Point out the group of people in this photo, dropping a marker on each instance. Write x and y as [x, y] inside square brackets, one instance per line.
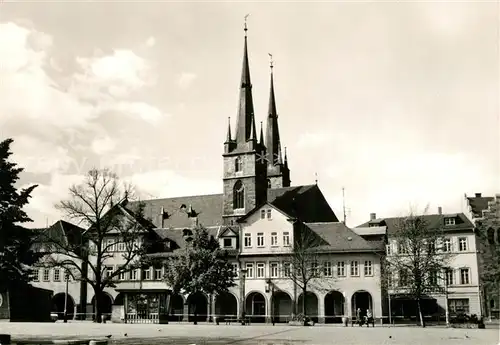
[364, 317]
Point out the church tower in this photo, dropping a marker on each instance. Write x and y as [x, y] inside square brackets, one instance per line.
[245, 166]
[278, 173]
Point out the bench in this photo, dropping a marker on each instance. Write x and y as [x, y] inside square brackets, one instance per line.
[244, 321]
[370, 321]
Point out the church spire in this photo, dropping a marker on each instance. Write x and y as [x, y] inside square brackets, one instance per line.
[245, 109]
[261, 140]
[272, 133]
[229, 137]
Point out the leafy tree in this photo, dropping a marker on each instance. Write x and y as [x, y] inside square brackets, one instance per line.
[113, 229]
[201, 266]
[303, 264]
[416, 268]
[16, 242]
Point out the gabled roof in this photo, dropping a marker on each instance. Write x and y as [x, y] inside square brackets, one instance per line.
[61, 232]
[435, 221]
[226, 231]
[304, 202]
[341, 239]
[478, 204]
[245, 217]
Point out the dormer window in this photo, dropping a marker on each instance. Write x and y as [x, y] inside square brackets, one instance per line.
[238, 164]
[449, 221]
[228, 243]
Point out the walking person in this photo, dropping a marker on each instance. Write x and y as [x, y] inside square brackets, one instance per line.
[369, 317]
[358, 317]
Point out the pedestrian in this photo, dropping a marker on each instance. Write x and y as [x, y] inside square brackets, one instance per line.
[358, 317]
[369, 317]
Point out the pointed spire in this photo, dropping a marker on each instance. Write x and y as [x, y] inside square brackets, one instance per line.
[272, 132]
[261, 141]
[229, 137]
[286, 159]
[253, 131]
[279, 157]
[245, 109]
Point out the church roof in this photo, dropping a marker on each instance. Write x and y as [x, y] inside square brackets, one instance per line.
[306, 203]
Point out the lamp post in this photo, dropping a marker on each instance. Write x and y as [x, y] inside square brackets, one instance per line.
[447, 313]
[66, 276]
[243, 272]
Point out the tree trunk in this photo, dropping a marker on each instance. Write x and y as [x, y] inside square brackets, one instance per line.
[98, 306]
[420, 314]
[304, 292]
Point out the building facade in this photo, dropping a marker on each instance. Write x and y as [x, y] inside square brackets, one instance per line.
[461, 282]
[485, 214]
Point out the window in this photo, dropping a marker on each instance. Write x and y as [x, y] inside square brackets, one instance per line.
[354, 269]
[238, 164]
[261, 269]
[109, 271]
[464, 276]
[448, 276]
[314, 269]
[368, 268]
[341, 269]
[67, 275]
[57, 274]
[286, 238]
[110, 245]
[133, 275]
[269, 214]
[249, 268]
[286, 269]
[268, 183]
[274, 238]
[433, 279]
[36, 274]
[146, 274]
[402, 248]
[403, 278]
[431, 247]
[260, 239]
[274, 270]
[235, 269]
[388, 249]
[121, 246]
[327, 269]
[262, 214]
[462, 244]
[447, 245]
[122, 275]
[228, 242]
[238, 195]
[248, 240]
[158, 274]
[449, 221]
[46, 274]
[458, 306]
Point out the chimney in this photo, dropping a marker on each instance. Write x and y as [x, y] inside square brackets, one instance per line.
[478, 195]
[440, 210]
[373, 216]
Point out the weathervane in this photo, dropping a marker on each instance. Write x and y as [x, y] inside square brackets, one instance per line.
[271, 60]
[246, 22]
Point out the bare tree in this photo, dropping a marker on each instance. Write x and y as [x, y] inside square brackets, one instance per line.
[302, 265]
[114, 232]
[416, 267]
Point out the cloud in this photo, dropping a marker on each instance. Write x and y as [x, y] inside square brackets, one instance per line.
[186, 79]
[141, 110]
[151, 42]
[103, 145]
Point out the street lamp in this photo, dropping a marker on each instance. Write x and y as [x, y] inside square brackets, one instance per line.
[243, 273]
[447, 313]
[66, 277]
[270, 288]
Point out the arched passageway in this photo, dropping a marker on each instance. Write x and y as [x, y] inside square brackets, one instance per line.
[198, 307]
[176, 312]
[226, 305]
[311, 303]
[106, 304]
[59, 302]
[334, 307]
[361, 300]
[120, 299]
[255, 307]
[282, 306]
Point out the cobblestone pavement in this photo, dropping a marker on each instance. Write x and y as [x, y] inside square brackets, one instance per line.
[209, 334]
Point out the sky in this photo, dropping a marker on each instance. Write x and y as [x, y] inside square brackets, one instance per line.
[396, 102]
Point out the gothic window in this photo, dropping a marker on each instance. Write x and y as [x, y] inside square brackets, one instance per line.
[238, 195]
[238, 164]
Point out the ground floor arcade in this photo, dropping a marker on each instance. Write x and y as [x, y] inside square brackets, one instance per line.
[260, 306]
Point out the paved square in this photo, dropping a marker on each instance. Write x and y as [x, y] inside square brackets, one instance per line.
[204, 334]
